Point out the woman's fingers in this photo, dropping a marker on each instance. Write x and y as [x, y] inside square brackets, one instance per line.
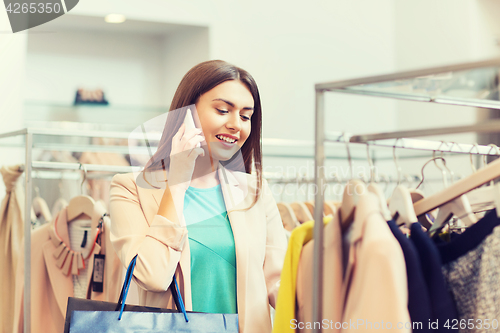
[180, 132]
[191, 138]
[189, 134]
[195, 152]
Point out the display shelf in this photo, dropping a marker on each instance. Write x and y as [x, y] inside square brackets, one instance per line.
[118, 115]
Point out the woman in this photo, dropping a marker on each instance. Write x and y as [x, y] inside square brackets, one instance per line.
[198, 212]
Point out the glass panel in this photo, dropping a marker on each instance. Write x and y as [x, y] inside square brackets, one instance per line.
[475, 87]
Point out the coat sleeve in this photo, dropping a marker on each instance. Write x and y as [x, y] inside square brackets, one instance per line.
[276, 244]
[157, 244]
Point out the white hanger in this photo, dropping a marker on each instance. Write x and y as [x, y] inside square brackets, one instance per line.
[401, 204]
[82, 204]
[353, 191]
[375, 189]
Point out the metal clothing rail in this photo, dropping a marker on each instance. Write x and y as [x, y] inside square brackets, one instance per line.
[31, 165]
[388, 86]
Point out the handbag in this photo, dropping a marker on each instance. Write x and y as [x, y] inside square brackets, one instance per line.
[85, 315]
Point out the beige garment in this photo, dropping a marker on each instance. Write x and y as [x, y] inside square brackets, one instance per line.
[332, 280]
[163, 248]
[11, 242]
[50, 287]
[375, 286]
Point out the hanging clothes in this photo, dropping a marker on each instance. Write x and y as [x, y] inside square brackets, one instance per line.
[53, 263]
[419, 303]
[285, 306]
[332, 279]
[11, 242]
[99, 188]
[471, 269]
[442, 304]
[375, 288]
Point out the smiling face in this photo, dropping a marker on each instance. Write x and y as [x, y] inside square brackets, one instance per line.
[225, 112]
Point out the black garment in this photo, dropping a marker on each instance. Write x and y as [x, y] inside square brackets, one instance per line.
[419, 303]
[472, 271]
[443, 308]
[463, 243]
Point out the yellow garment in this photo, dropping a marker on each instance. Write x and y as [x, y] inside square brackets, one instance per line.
[285, 306]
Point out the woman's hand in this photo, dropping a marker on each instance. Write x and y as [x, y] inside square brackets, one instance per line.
[183, 157]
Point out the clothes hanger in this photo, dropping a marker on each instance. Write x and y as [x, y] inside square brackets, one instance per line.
[459, 207]
[353, 191]
[428, 219]
[329, 209]
[40, 206]
[401, 204]
[463, 186]
[300, 209]
[288, 217]
[487, 197]
[82, 205]
[375, 189]
[310, 206]
[61, 202]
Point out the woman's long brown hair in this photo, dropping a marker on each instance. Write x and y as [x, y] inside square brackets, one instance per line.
[200, 79]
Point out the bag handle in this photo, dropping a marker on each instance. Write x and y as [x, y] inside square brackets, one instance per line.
[174, 289]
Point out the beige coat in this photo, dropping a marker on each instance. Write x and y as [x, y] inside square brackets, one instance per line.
[163, 248]
[372, 286]
[50, 288]
[11, 243]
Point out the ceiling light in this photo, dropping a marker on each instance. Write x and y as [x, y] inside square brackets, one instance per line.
[114, 18]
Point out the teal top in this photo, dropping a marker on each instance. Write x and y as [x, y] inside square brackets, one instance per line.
[213, 255]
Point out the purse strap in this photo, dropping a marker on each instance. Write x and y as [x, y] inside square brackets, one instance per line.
[174, 289]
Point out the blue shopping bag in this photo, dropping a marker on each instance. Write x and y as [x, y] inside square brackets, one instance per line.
[85, 315]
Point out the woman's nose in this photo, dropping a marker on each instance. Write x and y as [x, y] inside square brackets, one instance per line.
[234, 122]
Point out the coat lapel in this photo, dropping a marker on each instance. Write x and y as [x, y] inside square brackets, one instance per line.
[234, 192]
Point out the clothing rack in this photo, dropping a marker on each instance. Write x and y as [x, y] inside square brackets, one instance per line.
[428, 85]
[30, 144]
[30, 166]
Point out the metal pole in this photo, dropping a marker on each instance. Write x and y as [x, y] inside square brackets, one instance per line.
[318, 212]
[27, 235]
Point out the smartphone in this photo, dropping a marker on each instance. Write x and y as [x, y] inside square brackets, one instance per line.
[189, 121]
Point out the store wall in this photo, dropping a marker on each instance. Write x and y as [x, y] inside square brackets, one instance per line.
[432, 34]
[127, 67]
[287, 48]
[181, 51]
[12, 69]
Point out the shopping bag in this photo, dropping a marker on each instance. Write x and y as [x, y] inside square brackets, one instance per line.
[85, 315]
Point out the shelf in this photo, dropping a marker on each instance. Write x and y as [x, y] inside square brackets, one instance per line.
[117, 115]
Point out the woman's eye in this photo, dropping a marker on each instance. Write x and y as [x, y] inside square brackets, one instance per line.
[222, 111]
[245, 117]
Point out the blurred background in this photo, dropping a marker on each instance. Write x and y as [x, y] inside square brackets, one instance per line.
[288, 46]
